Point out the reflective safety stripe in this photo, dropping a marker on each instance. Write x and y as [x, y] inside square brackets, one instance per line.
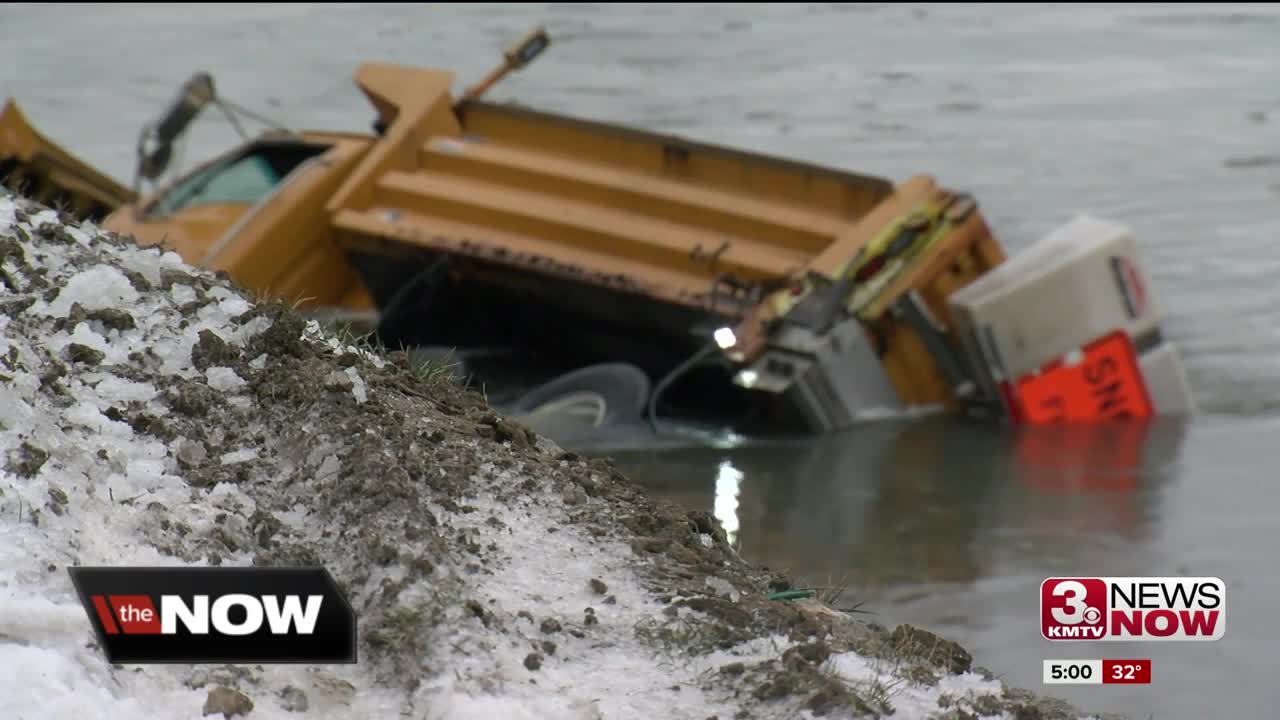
[898, 246]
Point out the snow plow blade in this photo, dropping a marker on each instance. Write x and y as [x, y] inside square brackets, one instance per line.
[1070, 331]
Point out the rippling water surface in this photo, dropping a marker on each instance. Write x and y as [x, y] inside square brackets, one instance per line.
[1164, 117]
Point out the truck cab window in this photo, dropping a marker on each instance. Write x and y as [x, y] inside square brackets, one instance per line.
[244, 178]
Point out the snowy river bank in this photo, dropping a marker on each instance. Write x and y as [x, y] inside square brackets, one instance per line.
[152, 414]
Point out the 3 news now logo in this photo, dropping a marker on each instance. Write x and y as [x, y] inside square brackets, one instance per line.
[1133, 608]
[217, 615]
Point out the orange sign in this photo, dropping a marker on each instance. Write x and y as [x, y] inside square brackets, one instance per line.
[1106, 385]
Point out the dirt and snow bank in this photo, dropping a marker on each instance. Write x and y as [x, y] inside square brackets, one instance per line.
[150, 414]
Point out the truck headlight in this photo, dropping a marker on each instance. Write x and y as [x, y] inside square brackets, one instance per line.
[725, 338]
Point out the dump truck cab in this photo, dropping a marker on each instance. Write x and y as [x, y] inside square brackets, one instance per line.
[199, 208]
[256, 212]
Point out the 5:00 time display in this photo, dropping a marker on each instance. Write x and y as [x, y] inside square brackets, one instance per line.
[1097, 672]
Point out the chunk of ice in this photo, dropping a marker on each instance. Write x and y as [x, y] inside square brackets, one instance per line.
[231, 304]
[239, 456]
[357, 385]
[87, 415]
[182, 293]
[85, 335]
[101, 286]
[223, 378]
[118, 389]
[329, 468]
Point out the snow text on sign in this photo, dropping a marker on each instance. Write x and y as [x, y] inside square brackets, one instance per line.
[1107, 384]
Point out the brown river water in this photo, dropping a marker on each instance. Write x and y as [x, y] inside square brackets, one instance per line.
[1166, 118]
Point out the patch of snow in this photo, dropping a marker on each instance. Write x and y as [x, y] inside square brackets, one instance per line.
[182, 293]
[250, 330]
[86, 414]
[330, 467]
[99, 287]
[85, 335]
[191, 453]
[239, 456]
[117, 389]
[147, 262]
[357, 385]
[231, 304]
[42, 217]
[25, 383]
[47, 683]
[224, 378]
[78, 235]
[909, 700]
[227, 496]
[14, 411]
[610, 671]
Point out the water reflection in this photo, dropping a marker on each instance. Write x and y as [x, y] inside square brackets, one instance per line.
[927, 502]
[728, 481]
[952, 526]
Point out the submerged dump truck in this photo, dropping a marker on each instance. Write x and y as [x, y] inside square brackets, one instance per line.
[617, 275]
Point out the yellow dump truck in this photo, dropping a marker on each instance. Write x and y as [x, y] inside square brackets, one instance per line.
[573, 264]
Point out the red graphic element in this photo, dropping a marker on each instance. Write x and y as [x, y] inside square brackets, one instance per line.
[1106, 385]
[1073, 609]
[1126, 672]
[137, 614]
[1071, 459]
[104, 614]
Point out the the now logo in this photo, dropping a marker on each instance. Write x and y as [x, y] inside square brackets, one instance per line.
[200, 615]
[137, 615]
